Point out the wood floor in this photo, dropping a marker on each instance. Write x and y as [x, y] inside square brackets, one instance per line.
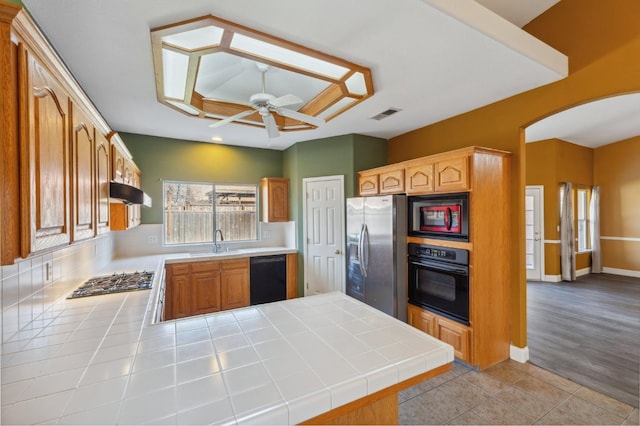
[589, 332]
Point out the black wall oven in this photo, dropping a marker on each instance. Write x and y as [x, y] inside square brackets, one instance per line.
[439, 280]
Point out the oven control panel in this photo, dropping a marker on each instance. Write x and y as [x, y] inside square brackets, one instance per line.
[447, 254]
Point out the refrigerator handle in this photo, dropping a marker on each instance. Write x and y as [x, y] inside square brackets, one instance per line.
[365, 248]
[363, 270]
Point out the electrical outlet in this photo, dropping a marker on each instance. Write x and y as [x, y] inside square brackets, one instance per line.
[266, 235]
[152, 239]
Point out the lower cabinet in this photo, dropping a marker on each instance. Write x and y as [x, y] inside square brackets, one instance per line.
[451, 332]
[196, 288]
[202, 287]
[234, 289]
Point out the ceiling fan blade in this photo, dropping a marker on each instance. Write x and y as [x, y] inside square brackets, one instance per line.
[232, 118]
[300, 116]
[285, 101]
[270, 125]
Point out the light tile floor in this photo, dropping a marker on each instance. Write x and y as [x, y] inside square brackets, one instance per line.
[509, 393]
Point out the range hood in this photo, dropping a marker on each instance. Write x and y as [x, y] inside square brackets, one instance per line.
[128, 194]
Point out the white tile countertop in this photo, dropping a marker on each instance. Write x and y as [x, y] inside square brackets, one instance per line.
[99, 360]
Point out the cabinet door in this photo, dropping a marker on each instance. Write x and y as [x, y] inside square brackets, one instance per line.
[45, 154]
[457, 335]
[275, 199]
[117, 164]
[392, 182]
[421, 319]
[419, 179]
[177, 295]
[292, 275]
[367, 184]
[102, 183]
[452, 174]
[120, 216]
[205, 287]
[234, 285]
[82, 175]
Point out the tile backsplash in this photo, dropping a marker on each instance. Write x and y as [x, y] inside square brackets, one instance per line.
[30, 287]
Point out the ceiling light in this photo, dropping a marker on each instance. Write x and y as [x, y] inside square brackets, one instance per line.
[206, 67]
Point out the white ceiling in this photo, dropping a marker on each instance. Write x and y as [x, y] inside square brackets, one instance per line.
[433, 59]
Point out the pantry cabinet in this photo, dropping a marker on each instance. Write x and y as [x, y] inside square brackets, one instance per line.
[275, 199]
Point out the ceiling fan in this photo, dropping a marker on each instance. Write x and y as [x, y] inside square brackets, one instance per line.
[265, 103]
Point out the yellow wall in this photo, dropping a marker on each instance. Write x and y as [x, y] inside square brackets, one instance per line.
[617, 171]
[549, 163]
[612, 67]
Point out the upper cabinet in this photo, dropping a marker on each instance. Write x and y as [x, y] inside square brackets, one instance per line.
[448, 172]
[83, 176]
[275, 199]
[45, 158]
[103, 176]
[57, 160]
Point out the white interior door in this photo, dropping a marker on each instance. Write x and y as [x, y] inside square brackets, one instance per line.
[533, 209]
[324, 260]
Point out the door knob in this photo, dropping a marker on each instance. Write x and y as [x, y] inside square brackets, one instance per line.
[338, 251]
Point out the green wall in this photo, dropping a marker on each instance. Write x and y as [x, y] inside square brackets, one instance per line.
[18, 2]
[172, 159]
[340, 155]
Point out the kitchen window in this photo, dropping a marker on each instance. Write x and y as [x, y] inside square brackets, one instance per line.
[191, 209]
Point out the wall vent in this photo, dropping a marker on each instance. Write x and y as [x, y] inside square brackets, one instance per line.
[385, 114]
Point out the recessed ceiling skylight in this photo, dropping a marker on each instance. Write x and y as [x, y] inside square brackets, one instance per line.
[206, 67]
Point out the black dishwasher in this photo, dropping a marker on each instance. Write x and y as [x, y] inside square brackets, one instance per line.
[268, 279]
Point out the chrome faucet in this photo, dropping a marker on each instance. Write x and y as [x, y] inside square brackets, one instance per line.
[217, 246]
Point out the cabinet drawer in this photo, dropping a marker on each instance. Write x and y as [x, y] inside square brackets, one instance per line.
[235, 264]
[208, 266]
[178, 269]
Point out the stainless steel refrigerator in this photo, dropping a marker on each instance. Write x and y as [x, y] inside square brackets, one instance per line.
[377, 252]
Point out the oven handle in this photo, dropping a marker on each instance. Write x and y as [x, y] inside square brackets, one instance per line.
[439, 266]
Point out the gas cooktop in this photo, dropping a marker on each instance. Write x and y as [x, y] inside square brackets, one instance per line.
[116, 283]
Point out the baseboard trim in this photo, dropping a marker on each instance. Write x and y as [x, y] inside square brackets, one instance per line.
[625, 272]
[584, 271]
[519, 354]
[552, 278]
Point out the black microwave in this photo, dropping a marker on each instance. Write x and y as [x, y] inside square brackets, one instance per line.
[442, 216]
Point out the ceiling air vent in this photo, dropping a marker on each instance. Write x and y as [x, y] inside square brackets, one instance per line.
[385, 114]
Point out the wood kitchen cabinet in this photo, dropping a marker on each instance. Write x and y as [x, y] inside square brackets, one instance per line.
[117, 167]
[205, 287]
[451, 332]
[45, 159]
[194, 288]
[419, 178]
[484, 174]
[452, 174]
[382, 180]
[103, 175]
[275, 199]
[83, 175]
[55, 185]
[234, 287]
